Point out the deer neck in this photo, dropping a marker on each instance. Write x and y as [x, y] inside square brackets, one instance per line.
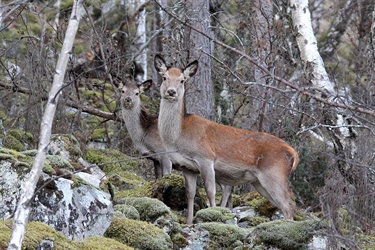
[170, 121]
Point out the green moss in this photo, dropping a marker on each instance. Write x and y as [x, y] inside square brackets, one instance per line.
[145, 190]
[128, 211]
[138, 234]
[119, 183]
[18, 159]
[99, 133]
[70, 143]
[101, 243]
[57, 161]
[213, 214]
[260, 204]
[149, 209]
[285, 234]
[254, 221]
[11, 142]
[36, 232]
[224, 236]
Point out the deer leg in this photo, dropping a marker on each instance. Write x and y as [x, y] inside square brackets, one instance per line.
[277, 192]
[157, 169]
[191, 186]
[226, 198]
[208, 175]
[166, 165]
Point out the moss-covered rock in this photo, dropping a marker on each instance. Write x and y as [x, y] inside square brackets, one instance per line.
[224, 236]
[127, 211]
[253, 221]
[138, 234]
[260, 204]
[12, 142]
[171, 190]
[101, 243]
[65, 145]
[284, 234]
[38, 233]
[213, 214]
[149, 209]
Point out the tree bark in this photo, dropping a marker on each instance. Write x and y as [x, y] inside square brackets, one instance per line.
[343, 134]
[199, 90]
[28, 187]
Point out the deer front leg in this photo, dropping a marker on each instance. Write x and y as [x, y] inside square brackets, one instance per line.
[191, 186]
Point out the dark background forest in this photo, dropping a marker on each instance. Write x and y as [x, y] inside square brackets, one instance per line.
[333, 131]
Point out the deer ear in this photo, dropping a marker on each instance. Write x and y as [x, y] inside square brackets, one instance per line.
[144, 86]
[191, 69]
[160, 64]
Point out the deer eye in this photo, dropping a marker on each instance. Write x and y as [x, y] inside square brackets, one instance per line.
[123, 91]
[164, 78]
[137, 93]
[182, 81]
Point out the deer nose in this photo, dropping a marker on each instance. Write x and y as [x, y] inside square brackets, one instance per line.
[128, 99]
[171, 92]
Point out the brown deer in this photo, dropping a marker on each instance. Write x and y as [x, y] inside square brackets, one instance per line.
[143, 127]
[227, 155]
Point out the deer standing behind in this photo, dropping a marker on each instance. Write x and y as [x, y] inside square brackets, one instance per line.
[143, 127]
[229, 155]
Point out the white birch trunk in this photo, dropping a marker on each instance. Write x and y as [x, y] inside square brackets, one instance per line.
[28, 187]
[343, 135]
[308, 46]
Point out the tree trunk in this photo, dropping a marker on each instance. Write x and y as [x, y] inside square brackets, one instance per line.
[28, 187]
[199, 90]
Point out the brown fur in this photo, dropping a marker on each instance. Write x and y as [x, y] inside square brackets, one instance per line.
[225, 154]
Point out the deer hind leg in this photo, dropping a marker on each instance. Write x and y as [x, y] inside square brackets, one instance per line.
[191, 186]
[277, 192]
[157, 169]
[226, 198]
[206, 169]
[166, 165]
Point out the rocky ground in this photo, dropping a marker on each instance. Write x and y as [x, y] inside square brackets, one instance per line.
[103, 200]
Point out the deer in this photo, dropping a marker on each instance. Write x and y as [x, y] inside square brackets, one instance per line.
[219, 153]
[142, 126]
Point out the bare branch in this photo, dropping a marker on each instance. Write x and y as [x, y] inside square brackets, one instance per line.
[277, 78]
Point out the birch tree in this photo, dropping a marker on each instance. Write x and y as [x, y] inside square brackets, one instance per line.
[28, 187]
[339, 121]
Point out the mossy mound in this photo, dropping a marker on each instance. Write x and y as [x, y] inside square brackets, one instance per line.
[18, 140]
[224, 236]
[253, 221]
[18, 159]
[284, 234]
[144, 190]
[260, 204]
[213, 214]
[149, 209]
[171, 190]
[111, 159]
[127, 211]
[138, 234]
[37, 233]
